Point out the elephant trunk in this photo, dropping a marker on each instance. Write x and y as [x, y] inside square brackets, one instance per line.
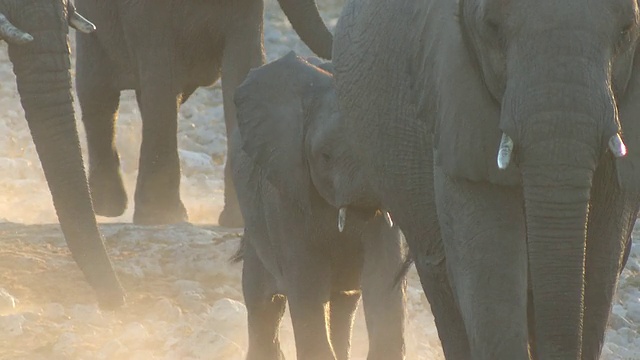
[44, 84]
[556, 216]
[306, 20]
[560, 118]
[558, 152]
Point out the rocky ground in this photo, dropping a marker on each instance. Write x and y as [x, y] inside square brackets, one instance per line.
[185, 298]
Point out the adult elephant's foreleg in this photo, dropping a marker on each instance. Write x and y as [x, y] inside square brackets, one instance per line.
[99, 104]
[243, 51]
[484, 238]
[611, 218]
[157, 193]
[411, 199]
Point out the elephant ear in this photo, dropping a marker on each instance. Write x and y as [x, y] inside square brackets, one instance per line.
[628, 167]
[466, 126]
[271, 116]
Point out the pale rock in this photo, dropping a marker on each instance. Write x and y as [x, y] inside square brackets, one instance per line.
[7, 302]
[11, 325]
[635, 251]
[133, 333]
[134, 270]
[618, 310]
[191, 301]
[617, 322]
[66, 344]
[53, 311]
[214, 346]
[193, 163]
[112, 349]
[633, 312]
[628, 335]
[90, 314]
[187, 285]
[167, 310]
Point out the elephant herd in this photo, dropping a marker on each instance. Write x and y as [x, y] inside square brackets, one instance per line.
[498, 139]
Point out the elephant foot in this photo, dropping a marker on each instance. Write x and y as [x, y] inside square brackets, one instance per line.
[108, 193]
[148, 214]
[231, 217]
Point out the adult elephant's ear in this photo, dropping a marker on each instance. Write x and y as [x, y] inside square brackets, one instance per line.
[628, 167]
[271, 120]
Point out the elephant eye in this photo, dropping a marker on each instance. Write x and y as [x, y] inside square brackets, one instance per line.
[326, 157]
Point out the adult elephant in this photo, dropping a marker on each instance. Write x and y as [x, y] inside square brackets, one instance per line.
[36, 31]
[165, 49]
[554, 86]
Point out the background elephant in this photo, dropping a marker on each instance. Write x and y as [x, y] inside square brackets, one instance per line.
[293, 170]
[36, 31]
[554, 86]
[165, 49]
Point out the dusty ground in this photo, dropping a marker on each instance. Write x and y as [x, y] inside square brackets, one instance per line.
[184, 296]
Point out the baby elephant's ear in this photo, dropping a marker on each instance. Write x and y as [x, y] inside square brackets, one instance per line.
[271, 120]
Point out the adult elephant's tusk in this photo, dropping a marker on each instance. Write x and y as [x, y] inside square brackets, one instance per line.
[12, 34]
[81, 24]
[504, 151]
[617, 146]
[342, 218]
[388, 219]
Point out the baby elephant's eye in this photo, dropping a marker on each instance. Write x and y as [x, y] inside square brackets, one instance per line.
[326, 157]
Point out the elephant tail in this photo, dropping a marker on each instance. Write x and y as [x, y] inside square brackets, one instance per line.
[238, 256]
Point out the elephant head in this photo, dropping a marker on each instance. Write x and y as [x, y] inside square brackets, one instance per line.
[36, 31]
[290, 125]
[555, 82]
[306, 20]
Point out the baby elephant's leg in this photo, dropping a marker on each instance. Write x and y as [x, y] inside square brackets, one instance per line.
[308, 289]
[383, 297]
[347, 260]
[264, 308]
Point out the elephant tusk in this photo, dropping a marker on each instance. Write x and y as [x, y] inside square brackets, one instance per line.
[388, 219]
[81, 24]
[504, 151]
[342, 218]
[12, 34]
[617, 146]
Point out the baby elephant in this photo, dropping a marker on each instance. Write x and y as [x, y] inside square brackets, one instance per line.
[313, 233]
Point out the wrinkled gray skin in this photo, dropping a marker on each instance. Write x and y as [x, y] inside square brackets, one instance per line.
[36, 32]
[533, 252]
[165, 49]
[293, 169]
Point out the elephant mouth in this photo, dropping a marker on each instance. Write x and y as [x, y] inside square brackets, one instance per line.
[361, 214]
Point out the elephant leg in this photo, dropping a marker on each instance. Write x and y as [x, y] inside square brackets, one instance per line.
[157, 193]
[264, 307]
[308, 293]
[343, 307]
[99, 104]
[484, 238]
[412, 203]
[346, 267]
[382, 298]
[243, 51]
[611, 218]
